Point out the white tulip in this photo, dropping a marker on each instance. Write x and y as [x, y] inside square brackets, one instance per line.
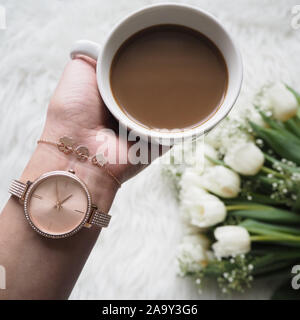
[188, 229]
[189, 179]
[193, 254]
[196, 239]
[193, 154]
[283, 103]
[246, 158]
[231, 241]
[211, 153]
[203, 210]
[221, 181]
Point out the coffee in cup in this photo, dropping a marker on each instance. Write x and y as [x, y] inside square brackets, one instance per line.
[169, 77]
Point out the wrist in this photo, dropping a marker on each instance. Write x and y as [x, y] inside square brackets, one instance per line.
[100, 185]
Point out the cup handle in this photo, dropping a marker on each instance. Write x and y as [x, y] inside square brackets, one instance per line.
[85, 47]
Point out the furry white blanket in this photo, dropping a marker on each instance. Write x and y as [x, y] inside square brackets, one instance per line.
[135, 257]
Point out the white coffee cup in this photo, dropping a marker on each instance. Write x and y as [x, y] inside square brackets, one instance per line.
[168, 13]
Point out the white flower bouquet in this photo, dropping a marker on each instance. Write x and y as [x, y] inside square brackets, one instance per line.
[242, 209]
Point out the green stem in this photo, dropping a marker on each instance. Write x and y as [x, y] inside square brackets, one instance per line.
[274, 173]
[276, 238]
[264, 238]
[244, 207]
[217, 162]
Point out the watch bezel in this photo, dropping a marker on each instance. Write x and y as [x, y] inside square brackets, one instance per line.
[43, 177]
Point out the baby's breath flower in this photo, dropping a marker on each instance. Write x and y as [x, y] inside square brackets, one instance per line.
[259, 142]
[237, 275]
[269, 113]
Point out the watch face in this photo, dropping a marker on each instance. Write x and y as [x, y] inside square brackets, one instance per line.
[57, 204]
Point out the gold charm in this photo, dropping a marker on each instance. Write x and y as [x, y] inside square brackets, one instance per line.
[66, 145]
[82, 153]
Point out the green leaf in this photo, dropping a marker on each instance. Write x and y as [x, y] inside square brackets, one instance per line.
[294, 92]
[281, 143]
[265, 213]
[271, 122]
[284, 166]
[293, 125]
[271, 263]
[296, 204]
[297, 96]
[277, 125]
[261, 228]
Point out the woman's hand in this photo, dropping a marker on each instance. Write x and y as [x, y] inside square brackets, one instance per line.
[77, 110]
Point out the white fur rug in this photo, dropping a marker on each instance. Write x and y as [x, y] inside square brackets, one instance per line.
[135, 257]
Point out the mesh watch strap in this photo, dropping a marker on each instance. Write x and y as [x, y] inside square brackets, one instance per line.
[18, 189]
[100, 219]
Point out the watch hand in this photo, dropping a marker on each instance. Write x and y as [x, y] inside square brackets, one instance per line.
[67, 198]
[37, 196]
[56, 191]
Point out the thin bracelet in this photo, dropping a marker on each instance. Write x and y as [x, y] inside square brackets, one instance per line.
[67, 146]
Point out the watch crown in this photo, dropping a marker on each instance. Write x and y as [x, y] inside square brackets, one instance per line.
[71, 171]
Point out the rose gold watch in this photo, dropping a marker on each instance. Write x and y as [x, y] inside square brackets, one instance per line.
[58, 204]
